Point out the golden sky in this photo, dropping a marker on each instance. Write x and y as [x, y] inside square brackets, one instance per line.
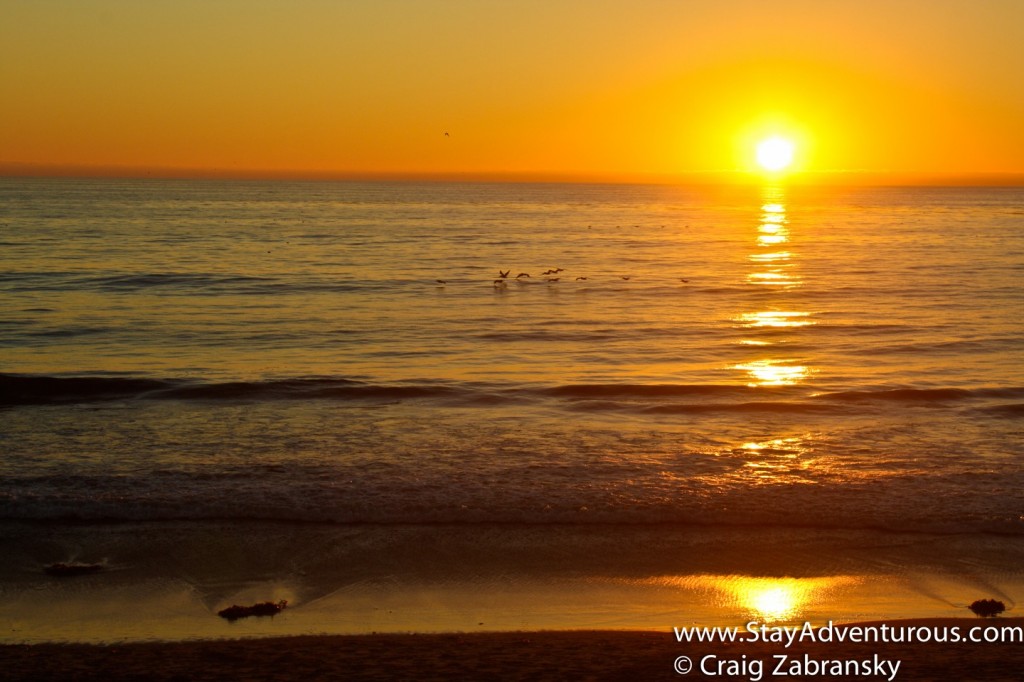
[546, 87]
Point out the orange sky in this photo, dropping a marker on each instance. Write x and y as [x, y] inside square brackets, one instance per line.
[583, 88]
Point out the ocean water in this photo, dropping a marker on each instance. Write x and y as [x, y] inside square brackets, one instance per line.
[350, 355]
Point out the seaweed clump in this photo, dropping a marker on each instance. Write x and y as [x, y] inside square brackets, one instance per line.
[63, 570]
[987, 608]
[267, 608]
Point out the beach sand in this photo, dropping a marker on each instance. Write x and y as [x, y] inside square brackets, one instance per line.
[550, 655]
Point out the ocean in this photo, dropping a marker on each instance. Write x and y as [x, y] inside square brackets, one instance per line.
[323, 386]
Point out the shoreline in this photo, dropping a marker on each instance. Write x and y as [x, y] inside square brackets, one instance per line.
[535, 655]
[168, 582]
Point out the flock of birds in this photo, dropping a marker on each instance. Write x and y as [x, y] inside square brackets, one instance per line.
[550, 276]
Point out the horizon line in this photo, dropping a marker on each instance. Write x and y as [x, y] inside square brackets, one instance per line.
[831, 177]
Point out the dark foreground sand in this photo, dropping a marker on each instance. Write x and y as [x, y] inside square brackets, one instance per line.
[584, 655]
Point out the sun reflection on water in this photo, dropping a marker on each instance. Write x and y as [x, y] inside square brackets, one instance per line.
[773, 226]
[763, 599]
[773, 603]
[771, 257]
[771, 600]
[770, 373]
[777, 460]
[772, 239]
[773, 269]
[775, 318]
[773, 231]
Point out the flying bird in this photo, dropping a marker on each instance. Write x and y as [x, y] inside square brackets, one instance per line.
[503, 275]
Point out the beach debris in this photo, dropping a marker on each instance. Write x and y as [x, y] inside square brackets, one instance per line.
[987, 608]
[267, 608]
[66, 570]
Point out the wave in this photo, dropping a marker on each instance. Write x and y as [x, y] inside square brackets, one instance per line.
[592, 391]
[787, 407]
[291, 495]
[24, 389]
[1012, 411]
[926, 395]
[170, 279]
[902, 394]
[175, 283]
[41, 390]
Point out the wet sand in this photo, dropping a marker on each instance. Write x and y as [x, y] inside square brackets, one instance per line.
[552, 655]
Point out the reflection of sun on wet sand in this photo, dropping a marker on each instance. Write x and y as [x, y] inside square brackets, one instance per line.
[588, 655]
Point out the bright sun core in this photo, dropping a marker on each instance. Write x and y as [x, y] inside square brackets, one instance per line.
[775, 153]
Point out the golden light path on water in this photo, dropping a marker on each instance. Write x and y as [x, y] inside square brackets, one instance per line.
[776, 459]
[775, 599]
[775, 318]
[772, 232]
[768, 373]
[776, 269]
[764, 599]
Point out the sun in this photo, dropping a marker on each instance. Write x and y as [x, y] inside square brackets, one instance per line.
[775, 153]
